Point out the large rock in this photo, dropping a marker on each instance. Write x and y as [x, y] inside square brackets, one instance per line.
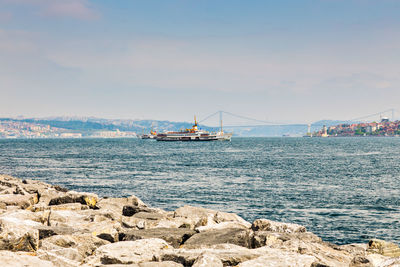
[59, 257]
[276, 239]
[206, 260]
[325, 253]
[221, 226]
[19, 235]
[68, 249]
[87, 221]
[229, 254]
[159, 264]
[130, 210]
[75, 197]
[13, 259]
[118, 203]
[40, 217]
[22, 201]
[279, 258]
[144, 220]
[197, 216]
[45, 192]
[267, 225]
[174, 236]
[383, 247]
[237, 236]
[86, 244]
[128, 252]
[378, 260]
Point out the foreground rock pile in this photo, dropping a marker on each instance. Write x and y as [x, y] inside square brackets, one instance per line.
[45, 225]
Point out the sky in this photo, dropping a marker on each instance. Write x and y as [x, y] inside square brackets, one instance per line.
[284, 61]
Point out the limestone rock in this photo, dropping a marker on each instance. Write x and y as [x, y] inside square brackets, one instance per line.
[237, 236]
[13, 259]
[69, 206]
[106, 230]
[220, 226]
[21, 201]
[178, 222]
[87, 221]
[130, 210]
[360, 261]
[379, 260]
[75, 197]
[128, 252]
[136, 223]
[117, 204]
[276, 239]
[19, 235]
[206, 260]
[85, 244]
[160, 264]
[174, 236]
[267, 225]
[59, 258]
[323, 252]
[278, 258]
[144, 220]
[154, 216]
[229, 254]
[383, 247]
[197, 216]
[68, 218]
[221, 217]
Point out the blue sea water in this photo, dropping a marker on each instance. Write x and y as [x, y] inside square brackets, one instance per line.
[343, 189]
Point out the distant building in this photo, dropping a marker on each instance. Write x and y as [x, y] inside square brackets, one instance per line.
[71, 135]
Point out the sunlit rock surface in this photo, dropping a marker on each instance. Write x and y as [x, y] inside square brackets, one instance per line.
[47, 225]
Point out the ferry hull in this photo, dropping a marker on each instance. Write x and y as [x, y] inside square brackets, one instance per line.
[194, 138]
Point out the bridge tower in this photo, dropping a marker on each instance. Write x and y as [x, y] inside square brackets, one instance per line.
[220, 119]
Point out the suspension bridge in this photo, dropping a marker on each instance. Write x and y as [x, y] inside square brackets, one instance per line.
[253, 122]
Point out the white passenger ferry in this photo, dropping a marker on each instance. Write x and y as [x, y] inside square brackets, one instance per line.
[194, 134]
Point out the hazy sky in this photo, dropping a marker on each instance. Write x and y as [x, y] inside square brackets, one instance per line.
[283, 60]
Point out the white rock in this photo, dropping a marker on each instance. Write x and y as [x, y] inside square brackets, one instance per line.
[267, 225]
[279, 258]
[129, 252]
[19, 235]
[13, 259]
[206, 260]
[222, 225]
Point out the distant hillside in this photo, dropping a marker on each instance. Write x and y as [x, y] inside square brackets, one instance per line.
[87, 126]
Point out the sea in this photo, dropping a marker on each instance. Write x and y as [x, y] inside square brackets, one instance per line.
[345, 190]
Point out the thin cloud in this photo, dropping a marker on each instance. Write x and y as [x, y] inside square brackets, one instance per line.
[5, 16]
[78, 9]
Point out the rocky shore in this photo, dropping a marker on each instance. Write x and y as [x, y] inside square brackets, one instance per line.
[47, 225]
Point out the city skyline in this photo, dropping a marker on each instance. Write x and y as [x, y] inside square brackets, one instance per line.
[169, 60]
